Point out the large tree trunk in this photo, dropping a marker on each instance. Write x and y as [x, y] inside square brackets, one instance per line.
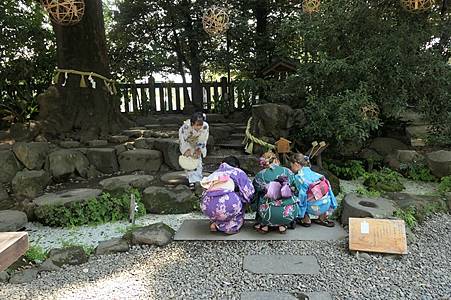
[90, 112]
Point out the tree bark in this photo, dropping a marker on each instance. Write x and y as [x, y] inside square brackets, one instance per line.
[91, 113]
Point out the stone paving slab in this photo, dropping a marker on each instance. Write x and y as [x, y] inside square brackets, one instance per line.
[284, 296]
[198, 230]
[281, 264]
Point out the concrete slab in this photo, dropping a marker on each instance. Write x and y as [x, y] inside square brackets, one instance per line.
[267, 296]
[281, 264]
[198, 230]
[284, 296]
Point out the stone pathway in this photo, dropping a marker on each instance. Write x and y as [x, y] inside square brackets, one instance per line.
[198, 230]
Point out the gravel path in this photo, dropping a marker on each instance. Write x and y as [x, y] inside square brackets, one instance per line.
[212, 270]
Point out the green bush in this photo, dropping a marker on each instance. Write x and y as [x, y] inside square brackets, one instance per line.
[349, 170]
[418, 171]
[368, 193]
[99, 210]
[35, 253]
[408, 215]
[385, 180]
[445, 184]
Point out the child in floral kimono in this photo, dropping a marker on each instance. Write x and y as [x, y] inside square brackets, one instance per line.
[316, 198]
[193, 136]
[228, 189]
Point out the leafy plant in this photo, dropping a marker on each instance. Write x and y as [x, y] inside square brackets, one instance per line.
[368, 193]
[106, 208]
[349, 170]
[385, 180]
[20, 107]
[35, 253]
[417, 171]
[408, 215]
[445, 184]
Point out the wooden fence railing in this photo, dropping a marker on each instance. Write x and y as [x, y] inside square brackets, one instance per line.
[167, 97]
[154, 97]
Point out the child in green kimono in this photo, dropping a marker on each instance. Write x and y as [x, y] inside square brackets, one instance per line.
[279, 213]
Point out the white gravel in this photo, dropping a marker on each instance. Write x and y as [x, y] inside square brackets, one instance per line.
[213, 270]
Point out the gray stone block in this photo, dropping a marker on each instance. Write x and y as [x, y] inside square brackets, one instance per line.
[281, 264]
[356, 206]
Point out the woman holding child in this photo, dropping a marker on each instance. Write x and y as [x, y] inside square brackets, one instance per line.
[316, 198]
[275, 201]
[228, 189]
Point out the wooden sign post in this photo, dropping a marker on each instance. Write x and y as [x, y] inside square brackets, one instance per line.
[377, 235]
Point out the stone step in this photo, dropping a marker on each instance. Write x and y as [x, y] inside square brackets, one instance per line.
[198, 230]
[232, 144]
[238, 136]
[281, 264]
[285, 296]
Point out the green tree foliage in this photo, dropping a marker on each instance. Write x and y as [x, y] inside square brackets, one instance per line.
[27, 57]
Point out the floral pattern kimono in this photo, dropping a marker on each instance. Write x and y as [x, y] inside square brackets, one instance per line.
[225, 206]
[191, 139]
[314, 207]
[274, 212]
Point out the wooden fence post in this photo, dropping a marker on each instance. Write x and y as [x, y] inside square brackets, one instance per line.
[225, 94]
[153, 105]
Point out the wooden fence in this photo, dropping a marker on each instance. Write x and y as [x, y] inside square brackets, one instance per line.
[166, 97]
[160, 98]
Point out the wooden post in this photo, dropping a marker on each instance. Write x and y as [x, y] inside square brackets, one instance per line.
[134, 90]
[170, 106]
[132, 209]
[12, 246]
[144, 102]
[153, 105]
[225, 94]
[126, 99]
[178, 103]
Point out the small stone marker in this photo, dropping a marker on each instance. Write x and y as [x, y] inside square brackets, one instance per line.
[281, 264]
[377, 235]
[132, 210]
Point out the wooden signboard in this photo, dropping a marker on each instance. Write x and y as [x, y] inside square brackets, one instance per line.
[12, 246]
[377, 235]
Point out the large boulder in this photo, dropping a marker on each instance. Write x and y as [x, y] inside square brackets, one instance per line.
[356, 206]
[66, 197]
[158, 234]
[408, 156]
[163, 200]
[30, 184]
[439, 163]
[112, 246]
[423, 205]
[67, 162]
[74, 255]
[171, 152]
[31, 155]
[12, 220]
[103, 159]
[9, 166]
[385, 146]
[126, 182]
[140, 160]
[24, 276]
[5, 201]
[275, 120]
[118, 139]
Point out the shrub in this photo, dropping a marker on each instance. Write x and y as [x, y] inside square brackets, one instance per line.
[445, 184]
[408, 215]
[35, 253]
[349, 170]
[104, 209]
[368, 193]
[384, 180]
[418, 171]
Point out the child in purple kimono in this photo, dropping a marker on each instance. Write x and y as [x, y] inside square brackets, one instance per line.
[228, 189]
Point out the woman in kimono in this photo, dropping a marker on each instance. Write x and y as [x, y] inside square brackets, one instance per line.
[273, 213]
[316, 198]
[228, 190]
[193, 136]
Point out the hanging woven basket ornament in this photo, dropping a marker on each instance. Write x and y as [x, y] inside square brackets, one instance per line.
[311, 6]
[65, 12]
[215, 21]
[417, 5]
[370, 112]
